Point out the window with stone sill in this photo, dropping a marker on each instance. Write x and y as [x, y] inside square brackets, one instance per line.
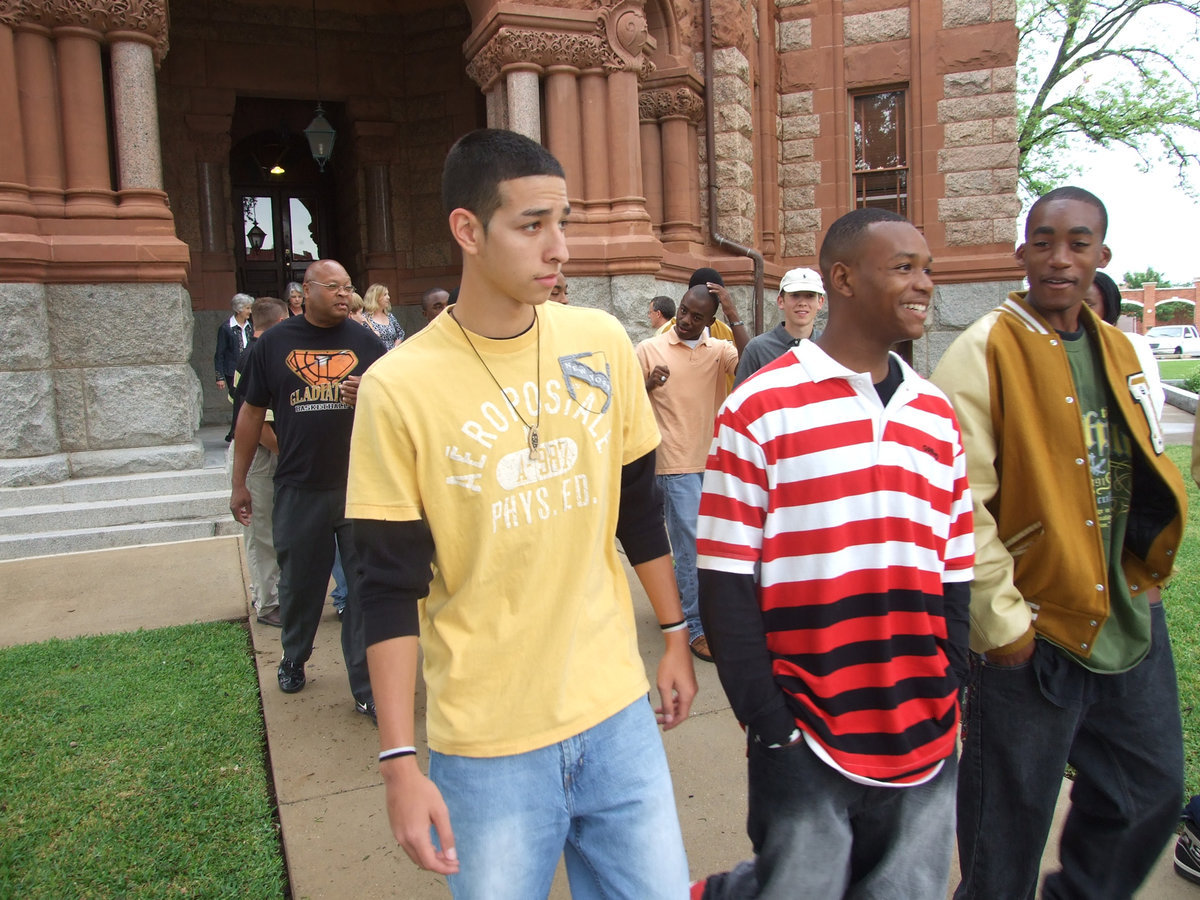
[881, 151]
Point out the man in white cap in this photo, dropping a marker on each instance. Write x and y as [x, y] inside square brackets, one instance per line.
[801, 296]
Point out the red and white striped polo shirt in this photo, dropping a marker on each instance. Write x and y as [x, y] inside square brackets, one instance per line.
[851, 515]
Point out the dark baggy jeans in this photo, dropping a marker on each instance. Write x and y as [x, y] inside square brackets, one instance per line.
[1123, 736]
[306, 521]
[818, 834]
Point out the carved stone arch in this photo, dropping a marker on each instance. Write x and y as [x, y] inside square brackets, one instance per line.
[660, 19]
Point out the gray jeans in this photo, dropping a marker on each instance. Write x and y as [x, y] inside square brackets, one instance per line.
[817, 834]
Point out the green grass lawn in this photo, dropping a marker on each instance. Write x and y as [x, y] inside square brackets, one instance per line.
[1182, 600]
[1177, 368]
[133, 766]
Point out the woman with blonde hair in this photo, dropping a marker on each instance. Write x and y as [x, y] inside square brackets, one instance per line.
[377, 306]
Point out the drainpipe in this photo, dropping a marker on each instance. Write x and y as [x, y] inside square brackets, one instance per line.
[710, 146]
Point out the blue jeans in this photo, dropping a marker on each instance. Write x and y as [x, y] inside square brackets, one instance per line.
[340, 588]
[603, 798]
[681, 504]
[1122, 734]
[817, 834]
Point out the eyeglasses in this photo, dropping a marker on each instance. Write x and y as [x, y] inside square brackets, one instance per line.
[336, 288]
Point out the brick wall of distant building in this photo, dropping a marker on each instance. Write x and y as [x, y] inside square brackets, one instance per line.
[1150, 295]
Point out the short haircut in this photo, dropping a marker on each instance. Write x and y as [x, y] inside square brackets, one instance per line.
[241, 301]
[428, 295]
[1110, 298]
[664, 305]
[373, 299]
[700, 290]
[704, 276]
[1071, 193]
[480, 160]
[267, 311]
[846, 234]
[294, 286]
[356, 302]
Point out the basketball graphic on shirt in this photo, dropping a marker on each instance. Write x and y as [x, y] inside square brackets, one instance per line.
[319, 367]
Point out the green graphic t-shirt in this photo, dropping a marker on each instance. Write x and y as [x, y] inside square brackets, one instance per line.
[1125, 638]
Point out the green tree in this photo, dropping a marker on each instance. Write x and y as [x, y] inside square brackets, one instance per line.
[1137, 279]
[1087, 75]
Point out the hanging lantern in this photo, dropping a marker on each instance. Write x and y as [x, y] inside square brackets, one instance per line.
[320, 136]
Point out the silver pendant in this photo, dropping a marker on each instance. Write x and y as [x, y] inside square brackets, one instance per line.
[533, 441]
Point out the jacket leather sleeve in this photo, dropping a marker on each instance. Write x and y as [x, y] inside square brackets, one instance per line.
[1000, 618]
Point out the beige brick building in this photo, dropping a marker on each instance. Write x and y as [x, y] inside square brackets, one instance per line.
[143, 150]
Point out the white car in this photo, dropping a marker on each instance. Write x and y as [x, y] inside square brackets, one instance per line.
[1180, 340]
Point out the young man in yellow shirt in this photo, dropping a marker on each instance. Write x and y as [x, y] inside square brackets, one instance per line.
[512, 478]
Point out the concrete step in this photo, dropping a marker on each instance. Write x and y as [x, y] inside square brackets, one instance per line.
[109, 513]
[75, 540]
[115, 487]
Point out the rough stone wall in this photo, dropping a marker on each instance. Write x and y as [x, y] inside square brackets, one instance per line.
[799, 169]
[955, 306]
[95, 381]
[734, 142]
[979, 159]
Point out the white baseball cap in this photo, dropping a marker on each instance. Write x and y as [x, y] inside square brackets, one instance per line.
[801, 280]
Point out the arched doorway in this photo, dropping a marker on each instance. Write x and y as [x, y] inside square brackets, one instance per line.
[283, 204]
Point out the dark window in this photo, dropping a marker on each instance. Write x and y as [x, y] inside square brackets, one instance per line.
[881, 152]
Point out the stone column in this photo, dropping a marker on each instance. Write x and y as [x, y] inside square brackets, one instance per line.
[41, 127]
[593, 106]
[674, 106]
[213, 224]
[497, 106]
[85, 130]
[524, 101]
[379, 219]
[12, 150]
[624, 156]
[562, 125]
[652, 167]
[678, 167]
[135, 110]
[209, 137]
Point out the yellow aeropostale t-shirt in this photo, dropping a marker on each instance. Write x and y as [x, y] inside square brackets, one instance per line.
[528, 630]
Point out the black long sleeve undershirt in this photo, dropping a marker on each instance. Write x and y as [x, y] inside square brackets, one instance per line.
[641, 528]
[395, 558]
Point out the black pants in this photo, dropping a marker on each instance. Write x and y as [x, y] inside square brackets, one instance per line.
[306, 523]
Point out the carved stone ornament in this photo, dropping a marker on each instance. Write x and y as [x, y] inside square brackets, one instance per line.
[146, 17]
[616, 44]
[539, 48]
[656, 105]
[626, 34]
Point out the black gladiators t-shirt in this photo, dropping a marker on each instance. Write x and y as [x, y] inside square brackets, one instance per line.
[297, 370]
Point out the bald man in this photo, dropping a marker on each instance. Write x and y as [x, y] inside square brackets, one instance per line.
[306, 370]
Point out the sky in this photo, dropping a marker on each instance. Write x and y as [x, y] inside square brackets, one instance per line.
[1151, 221]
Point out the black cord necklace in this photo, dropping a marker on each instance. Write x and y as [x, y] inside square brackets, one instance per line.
[532, 430]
